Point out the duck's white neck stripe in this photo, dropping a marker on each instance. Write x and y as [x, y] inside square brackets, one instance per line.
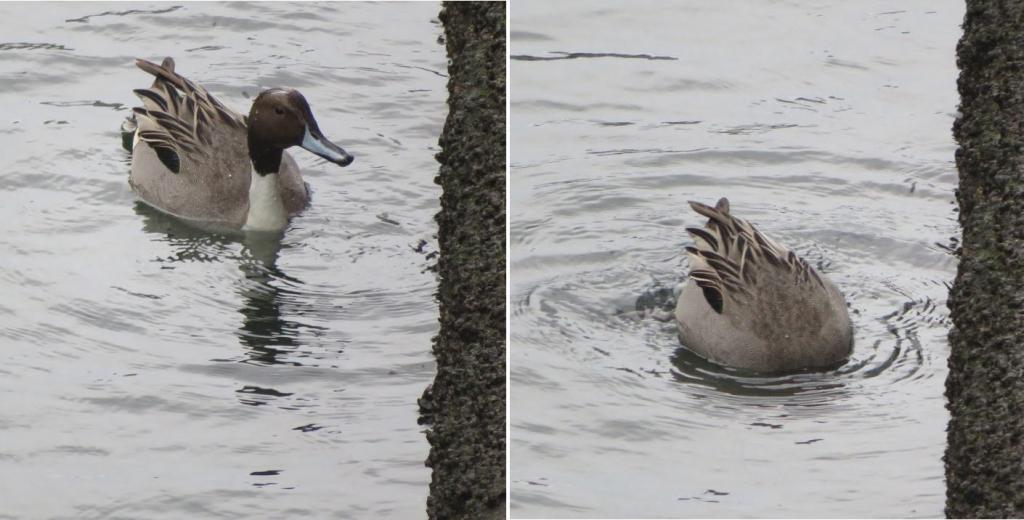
[266, 210]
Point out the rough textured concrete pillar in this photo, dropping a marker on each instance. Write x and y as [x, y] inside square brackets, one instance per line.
[466, 403]
[985, 388]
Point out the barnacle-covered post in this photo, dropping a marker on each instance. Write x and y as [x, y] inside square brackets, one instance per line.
[465, 405]
[985, 387]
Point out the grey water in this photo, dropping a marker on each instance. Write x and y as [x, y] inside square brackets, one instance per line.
[825, 124]
[152, 370]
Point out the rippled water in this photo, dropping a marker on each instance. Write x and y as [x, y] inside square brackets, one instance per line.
[828, 126]
[151, 370]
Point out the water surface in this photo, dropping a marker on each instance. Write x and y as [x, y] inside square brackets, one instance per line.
[151, 370]
[828, 126]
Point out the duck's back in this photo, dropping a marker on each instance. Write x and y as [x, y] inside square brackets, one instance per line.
[782, 324]
[212, 188]
[752, 304]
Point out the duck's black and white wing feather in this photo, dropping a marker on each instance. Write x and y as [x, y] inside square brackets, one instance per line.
[177, 116]
[729, 253]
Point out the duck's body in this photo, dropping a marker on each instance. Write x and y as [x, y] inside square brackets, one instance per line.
[196, 159]
[754, 305]
[214, 189]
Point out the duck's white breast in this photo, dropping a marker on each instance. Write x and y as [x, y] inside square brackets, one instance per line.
[266, 209]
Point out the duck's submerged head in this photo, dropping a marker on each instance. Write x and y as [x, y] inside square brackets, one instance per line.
[281, 118]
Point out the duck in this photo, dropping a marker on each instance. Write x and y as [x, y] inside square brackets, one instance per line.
[198, 160]
[754, 305]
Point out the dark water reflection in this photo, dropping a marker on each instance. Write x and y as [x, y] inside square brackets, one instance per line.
[264, 287]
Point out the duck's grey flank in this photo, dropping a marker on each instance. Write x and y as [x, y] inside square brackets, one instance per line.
[752, 304]
[196, 159]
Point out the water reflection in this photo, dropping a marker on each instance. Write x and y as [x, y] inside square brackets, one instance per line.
[263, 330]
[270, 337]
[691, 368]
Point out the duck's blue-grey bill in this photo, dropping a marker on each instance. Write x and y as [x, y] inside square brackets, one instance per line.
[315, 142]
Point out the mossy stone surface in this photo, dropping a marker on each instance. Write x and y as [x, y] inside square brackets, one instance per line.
[465, 405]
[985, 387]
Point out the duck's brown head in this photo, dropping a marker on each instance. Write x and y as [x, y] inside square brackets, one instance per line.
[281, 118]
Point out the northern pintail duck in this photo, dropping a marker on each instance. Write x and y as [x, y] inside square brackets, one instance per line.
[752, 304]
[196, 159]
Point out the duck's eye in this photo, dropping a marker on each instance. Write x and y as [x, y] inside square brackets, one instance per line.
[279, 111]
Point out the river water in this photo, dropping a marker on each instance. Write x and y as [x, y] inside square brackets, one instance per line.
[828, 126]
[151, 370]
